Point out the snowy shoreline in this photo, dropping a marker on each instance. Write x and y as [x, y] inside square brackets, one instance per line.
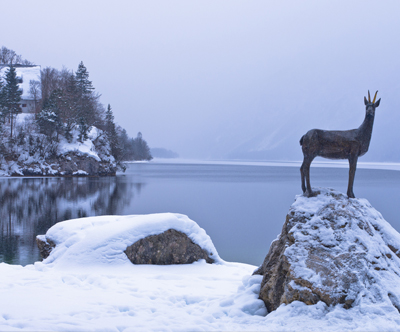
[87, 285]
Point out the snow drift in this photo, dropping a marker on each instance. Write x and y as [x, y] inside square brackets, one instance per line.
[88, 283]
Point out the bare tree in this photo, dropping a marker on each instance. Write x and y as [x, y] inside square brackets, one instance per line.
[8, 57]
[35, 92]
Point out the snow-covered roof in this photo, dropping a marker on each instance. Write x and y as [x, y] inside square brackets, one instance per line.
[27, 74]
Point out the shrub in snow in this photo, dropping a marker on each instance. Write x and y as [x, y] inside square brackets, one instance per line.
[335, 250]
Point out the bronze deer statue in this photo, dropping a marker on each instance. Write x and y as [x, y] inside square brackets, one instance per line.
[335, 144]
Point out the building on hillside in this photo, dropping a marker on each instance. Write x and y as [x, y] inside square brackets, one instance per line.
[29, 81]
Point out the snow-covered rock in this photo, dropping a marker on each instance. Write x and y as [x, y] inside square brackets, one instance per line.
[33, 155]
[336, 250]
[107, 240]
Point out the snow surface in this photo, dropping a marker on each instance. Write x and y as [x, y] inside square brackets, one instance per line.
[86, 147]
[86, 284]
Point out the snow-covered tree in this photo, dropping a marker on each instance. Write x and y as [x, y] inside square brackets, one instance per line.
[2, 102]
[48, 119]
[86, 100]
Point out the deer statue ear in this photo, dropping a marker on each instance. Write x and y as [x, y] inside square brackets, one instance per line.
[377, 103]
[365, 101]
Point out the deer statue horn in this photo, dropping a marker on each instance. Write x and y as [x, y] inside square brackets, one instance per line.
[369, 97]
[375, 97]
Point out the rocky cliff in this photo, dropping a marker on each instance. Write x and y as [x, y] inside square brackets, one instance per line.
[332, 249]
[91, 157]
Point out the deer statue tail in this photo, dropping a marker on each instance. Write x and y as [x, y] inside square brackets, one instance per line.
[301, 140]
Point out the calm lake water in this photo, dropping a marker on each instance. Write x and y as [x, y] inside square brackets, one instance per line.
[241, 207]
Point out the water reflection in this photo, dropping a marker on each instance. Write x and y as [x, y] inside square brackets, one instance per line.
[242, 208]
[30, 206]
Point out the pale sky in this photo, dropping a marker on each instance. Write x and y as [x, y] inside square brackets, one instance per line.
[225, 79]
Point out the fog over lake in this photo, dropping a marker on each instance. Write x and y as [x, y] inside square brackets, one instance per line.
[241, 207]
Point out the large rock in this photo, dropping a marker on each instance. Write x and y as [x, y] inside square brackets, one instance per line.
[169, 247]
[161, 238]
[332, 249]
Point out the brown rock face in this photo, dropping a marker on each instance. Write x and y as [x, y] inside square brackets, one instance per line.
[170, 247]
[331, 249]
[45, 246]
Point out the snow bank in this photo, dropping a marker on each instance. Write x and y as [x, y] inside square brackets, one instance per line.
[87, 284]
[102, 240]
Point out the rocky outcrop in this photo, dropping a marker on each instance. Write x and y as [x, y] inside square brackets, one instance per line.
[81, 164]
[169, 247]
[332, 249]
[69, 164]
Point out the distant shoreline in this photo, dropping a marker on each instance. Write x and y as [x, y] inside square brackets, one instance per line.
[317, 163]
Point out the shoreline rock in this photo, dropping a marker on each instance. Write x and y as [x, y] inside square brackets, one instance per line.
[70, 164]
[335, 250]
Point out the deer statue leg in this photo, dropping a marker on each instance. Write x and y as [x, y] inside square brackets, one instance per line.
[352, 173]
[303, 179]
[305, 176]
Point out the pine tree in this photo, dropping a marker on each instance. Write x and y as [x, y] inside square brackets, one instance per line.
[84, 86]
[48, 119]
[2, 102]
[69, 114]
[111, 132]
[12, 96]
[141, 150]
[85, 100]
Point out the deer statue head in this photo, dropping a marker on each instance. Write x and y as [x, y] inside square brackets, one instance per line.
[370, 106]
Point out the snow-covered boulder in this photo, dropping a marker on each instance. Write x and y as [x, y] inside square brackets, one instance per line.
[335, 250]
[163, 238]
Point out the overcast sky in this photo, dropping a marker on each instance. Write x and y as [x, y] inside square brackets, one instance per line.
[224, 79]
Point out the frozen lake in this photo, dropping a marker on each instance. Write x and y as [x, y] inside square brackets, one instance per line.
[242, 207]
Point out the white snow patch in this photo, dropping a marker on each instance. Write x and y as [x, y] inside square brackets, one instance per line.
[87, 284]
[80, 172]
[86, 147]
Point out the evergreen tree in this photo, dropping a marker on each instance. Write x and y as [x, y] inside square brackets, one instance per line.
[12, 96]
[85, 99]
[141, 150]
[48, 119]
[2, 102]
[84, 86]
[69, 114]
[112, 135]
